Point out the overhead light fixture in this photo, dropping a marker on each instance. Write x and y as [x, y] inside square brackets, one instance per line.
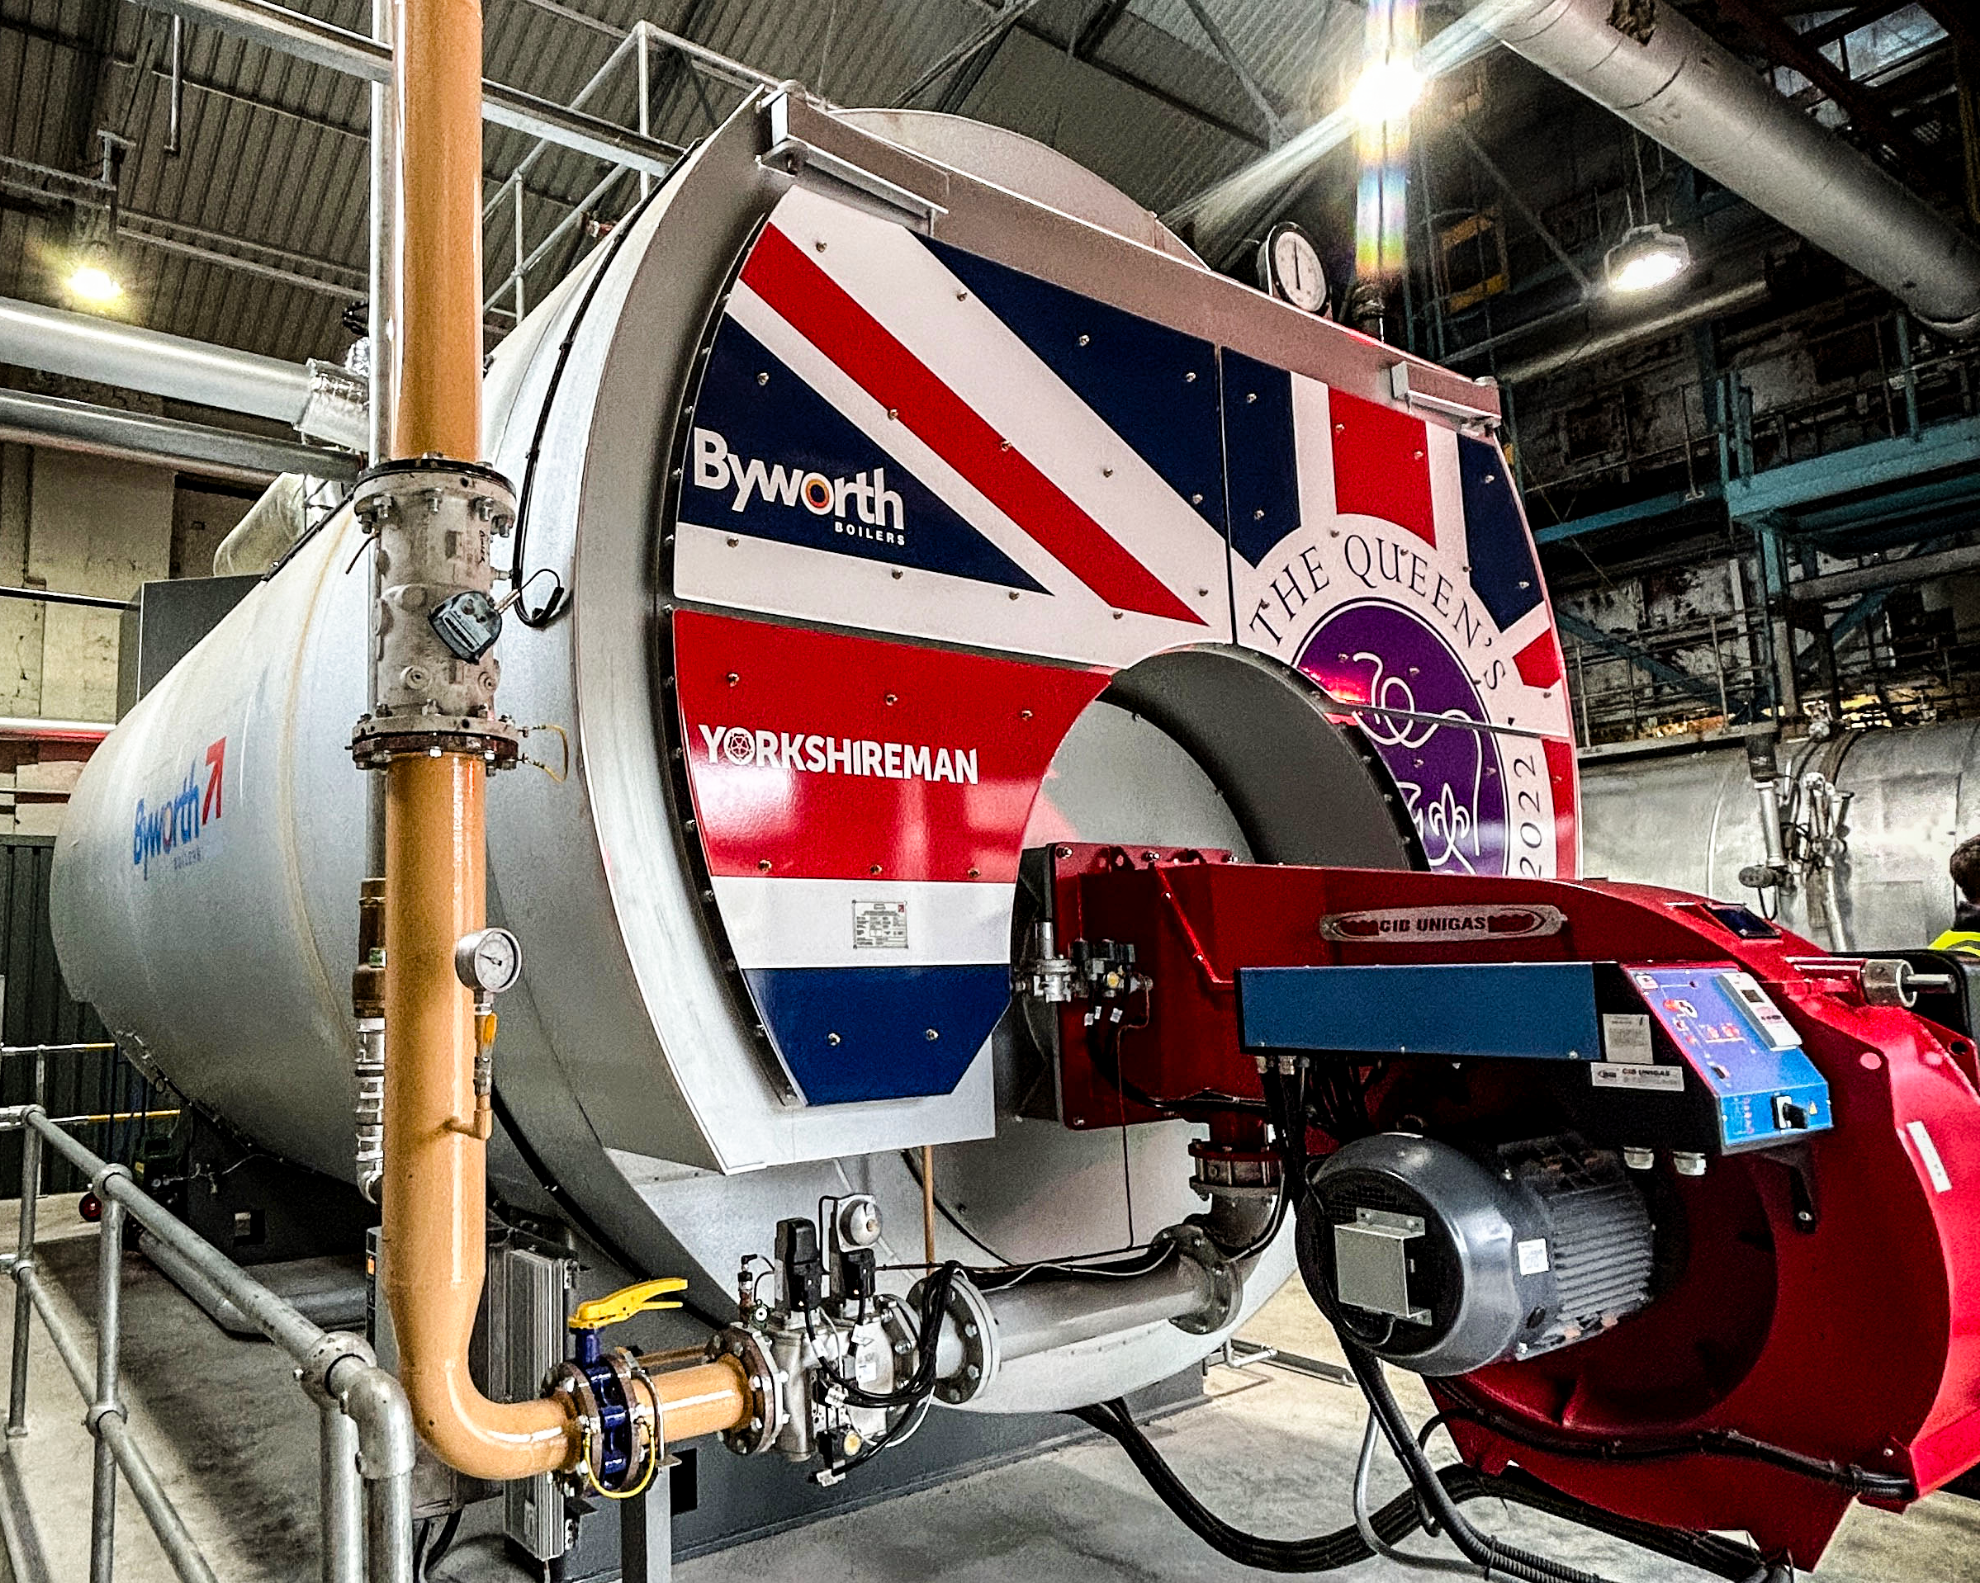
[1647, 257]
[1387, 91]
[91, 281]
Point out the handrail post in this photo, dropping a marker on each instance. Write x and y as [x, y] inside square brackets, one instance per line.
[17, 1384]
[342, 1513]
[109, 1327]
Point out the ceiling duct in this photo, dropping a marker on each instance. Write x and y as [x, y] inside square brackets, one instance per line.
[1710, 109]
[320, 400]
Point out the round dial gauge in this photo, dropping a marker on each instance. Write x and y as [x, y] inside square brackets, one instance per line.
[489, 960]
[1291, 266]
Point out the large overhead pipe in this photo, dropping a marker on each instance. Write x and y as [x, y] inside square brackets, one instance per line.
[1711, 110]
[319, 399]
[164, 442]
[83, 346]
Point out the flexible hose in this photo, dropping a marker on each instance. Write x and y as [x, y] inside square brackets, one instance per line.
[1402, 1516]
[1323, 1553]
[1363, 1465]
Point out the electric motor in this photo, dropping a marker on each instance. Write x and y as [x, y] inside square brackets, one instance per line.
[1445, 1261]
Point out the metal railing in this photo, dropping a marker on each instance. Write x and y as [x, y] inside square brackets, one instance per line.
[365, 1427]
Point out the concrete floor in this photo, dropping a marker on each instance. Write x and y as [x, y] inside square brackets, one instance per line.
[235, 1445]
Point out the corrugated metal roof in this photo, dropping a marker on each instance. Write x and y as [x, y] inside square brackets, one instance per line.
[273, 162]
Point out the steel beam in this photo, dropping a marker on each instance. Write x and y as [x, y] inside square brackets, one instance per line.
[352, 54]
[1787, 46]
[1524, 209]
[1642, 511]
[1275, 127]
[1878, 465]
[1635, 654]
[1885, 575]
[987, 37]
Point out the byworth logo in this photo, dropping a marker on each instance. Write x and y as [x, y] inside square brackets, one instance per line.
[172, 826]
[875, 513]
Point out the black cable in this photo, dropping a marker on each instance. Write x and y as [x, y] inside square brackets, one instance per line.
[441, 1545]
[518, 575]
[921, 1383]
[1323, 1553]
[572, 1211]
[1403, 1515]
[1849, 1477]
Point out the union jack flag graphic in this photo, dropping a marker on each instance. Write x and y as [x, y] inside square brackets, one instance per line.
[928, 505]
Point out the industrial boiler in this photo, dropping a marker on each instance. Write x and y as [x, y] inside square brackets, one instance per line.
[1033, 796]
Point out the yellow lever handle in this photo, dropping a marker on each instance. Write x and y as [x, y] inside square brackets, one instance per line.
[623, 1304]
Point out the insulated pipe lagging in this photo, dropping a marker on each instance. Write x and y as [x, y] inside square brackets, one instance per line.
[1694, 97]
[82, 346]
[1046, 1312]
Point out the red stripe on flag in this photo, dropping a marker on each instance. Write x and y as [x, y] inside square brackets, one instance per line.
[820, 310]
[1382, 464]
[1539, 663]
[1561, 773]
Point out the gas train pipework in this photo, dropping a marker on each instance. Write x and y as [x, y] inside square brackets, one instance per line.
[1031, 699]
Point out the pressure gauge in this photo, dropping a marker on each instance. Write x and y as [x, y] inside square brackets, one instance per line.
[1289, 268]
[488, 961]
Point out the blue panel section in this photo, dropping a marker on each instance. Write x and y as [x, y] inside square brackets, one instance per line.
[1543, 1011]
[765, 439]
[1503, 572]
[1264, 463]
[1153, 386]
[1751, 1082]
[882, 1017]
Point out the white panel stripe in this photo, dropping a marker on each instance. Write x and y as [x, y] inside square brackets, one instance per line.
[809, 922]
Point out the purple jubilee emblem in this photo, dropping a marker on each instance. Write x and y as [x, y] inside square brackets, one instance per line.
[1423, 717]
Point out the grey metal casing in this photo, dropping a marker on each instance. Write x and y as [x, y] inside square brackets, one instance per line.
[1474, 1212]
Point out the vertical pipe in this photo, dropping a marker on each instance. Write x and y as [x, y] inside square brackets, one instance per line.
[383, 327]
[109, 1322]
[341, 1513]
[17, 1384]
[1719, 665]
[436, 90]
[388, 1526]
[519, 304]
[1906, 363]
[928, 1204]
[645, 106]
[175, 102]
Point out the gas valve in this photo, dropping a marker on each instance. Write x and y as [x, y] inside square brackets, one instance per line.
[613, 1398]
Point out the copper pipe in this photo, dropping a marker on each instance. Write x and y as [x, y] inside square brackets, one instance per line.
[434, 1185]
[703, 1400]
[928, 1204]
[436, 91]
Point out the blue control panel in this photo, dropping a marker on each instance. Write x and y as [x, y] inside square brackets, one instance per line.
[1737, 1043]
[1541, 1011]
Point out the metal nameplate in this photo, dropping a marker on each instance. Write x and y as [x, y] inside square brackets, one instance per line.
[1380, 925]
